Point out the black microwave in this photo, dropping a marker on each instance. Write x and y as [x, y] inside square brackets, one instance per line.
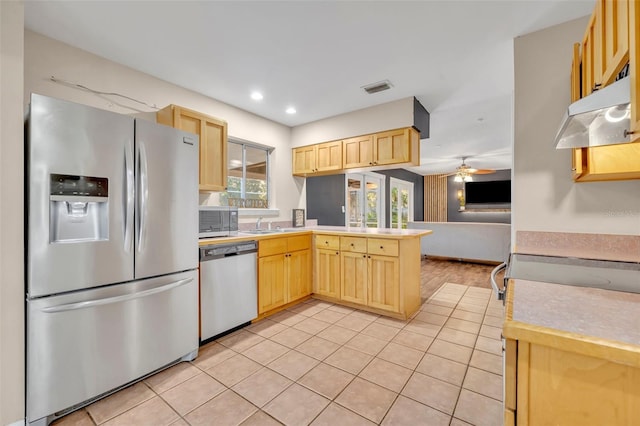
[218, 221]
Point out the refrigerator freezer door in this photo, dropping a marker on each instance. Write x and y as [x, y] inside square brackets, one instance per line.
[97, 340]
[77, 239]
[166, 220]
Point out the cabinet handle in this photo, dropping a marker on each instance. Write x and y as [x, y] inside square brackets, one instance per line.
[353, 245]
[627, 133]
[596, 86]
[371, 164]
[337, 252]
[364, 255]
[369, 257]
[381, 247]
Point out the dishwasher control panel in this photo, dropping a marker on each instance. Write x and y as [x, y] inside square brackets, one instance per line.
[221, 250]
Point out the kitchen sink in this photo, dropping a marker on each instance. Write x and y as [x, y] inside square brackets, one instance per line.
[268, 231]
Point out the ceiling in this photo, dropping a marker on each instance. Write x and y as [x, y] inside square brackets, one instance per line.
[455, 57]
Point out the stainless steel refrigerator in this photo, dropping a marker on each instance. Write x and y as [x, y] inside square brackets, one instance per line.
[112, 252]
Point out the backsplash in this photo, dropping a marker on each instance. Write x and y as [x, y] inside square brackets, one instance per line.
[624, 248]
[274, 224]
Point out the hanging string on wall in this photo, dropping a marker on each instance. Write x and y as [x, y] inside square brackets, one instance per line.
[104, 95]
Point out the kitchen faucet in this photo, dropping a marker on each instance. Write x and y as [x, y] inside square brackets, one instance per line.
[259, 222]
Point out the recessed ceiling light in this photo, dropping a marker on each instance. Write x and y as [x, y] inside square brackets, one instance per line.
[291, 110]
[256, 96]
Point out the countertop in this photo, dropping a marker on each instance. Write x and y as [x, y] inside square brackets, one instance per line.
[591, 321]
[340, 230]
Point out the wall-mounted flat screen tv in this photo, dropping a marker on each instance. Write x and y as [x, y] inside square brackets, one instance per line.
[488, 192]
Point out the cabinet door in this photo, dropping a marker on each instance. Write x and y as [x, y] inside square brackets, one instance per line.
[576, 93]
[213, 156]
[298, 264]
[329, 156]
[304, 160]
[613, 162]
[212, 134]
[510, 370]
[591, 66]
[357, 152]
[391, 147]
[634, 67]
[353, 286]
[327, 265]
[271, 282]
[384, 283]
[615, 30]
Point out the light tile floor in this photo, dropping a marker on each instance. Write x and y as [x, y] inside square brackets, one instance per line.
[323, 364]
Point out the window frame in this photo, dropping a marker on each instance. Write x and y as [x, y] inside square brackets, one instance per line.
[268, 149]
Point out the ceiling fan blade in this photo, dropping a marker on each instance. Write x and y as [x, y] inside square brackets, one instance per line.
[483, 171]
[448, 174]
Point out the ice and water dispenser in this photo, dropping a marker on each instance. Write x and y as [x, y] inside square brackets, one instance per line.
[78, 208]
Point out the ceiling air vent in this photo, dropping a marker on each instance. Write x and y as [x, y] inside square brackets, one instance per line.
[378, 87]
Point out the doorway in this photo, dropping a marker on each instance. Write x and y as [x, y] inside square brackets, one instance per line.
[401, 205]
[365, 198]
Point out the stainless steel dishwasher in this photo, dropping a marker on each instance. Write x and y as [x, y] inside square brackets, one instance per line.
[228, 287]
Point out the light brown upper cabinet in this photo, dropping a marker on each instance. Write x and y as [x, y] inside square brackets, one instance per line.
[610, 42]
[383, 148]
[392, 147]
[399, 146]
[212, 133]
[304, 160]
[357, 152]
[591, 56]
[576, 92]
[318, 158]
[614, 16]
[634, 68]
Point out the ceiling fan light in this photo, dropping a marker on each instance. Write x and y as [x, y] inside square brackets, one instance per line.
[458, 178]
[468, 178]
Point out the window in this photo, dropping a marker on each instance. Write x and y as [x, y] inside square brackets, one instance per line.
[248, 175]
[365, 200]
[401, 203]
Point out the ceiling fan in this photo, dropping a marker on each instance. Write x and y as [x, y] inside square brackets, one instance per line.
[463, 172]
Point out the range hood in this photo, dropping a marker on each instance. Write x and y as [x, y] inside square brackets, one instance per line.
[602, 118]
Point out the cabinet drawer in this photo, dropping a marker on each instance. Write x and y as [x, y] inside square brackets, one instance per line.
[331, 242]
[301, 242]
[271, 246]
[353, 244]
[382, 247]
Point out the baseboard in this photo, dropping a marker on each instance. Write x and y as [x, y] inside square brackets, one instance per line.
[458, 259]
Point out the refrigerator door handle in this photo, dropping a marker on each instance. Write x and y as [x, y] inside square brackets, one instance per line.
[130, 196]
[143, 194]
[115, 299]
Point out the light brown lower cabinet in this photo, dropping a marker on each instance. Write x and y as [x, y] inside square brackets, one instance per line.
[549, 386]
[554, 377]
[353, 282]
[284, 271]
[381, 275]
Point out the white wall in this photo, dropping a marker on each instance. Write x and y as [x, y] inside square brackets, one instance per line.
[45, 57]
[391, 115]
[11, 214]
[545, 198]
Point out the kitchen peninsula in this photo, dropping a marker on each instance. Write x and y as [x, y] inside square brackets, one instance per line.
[373, 269]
